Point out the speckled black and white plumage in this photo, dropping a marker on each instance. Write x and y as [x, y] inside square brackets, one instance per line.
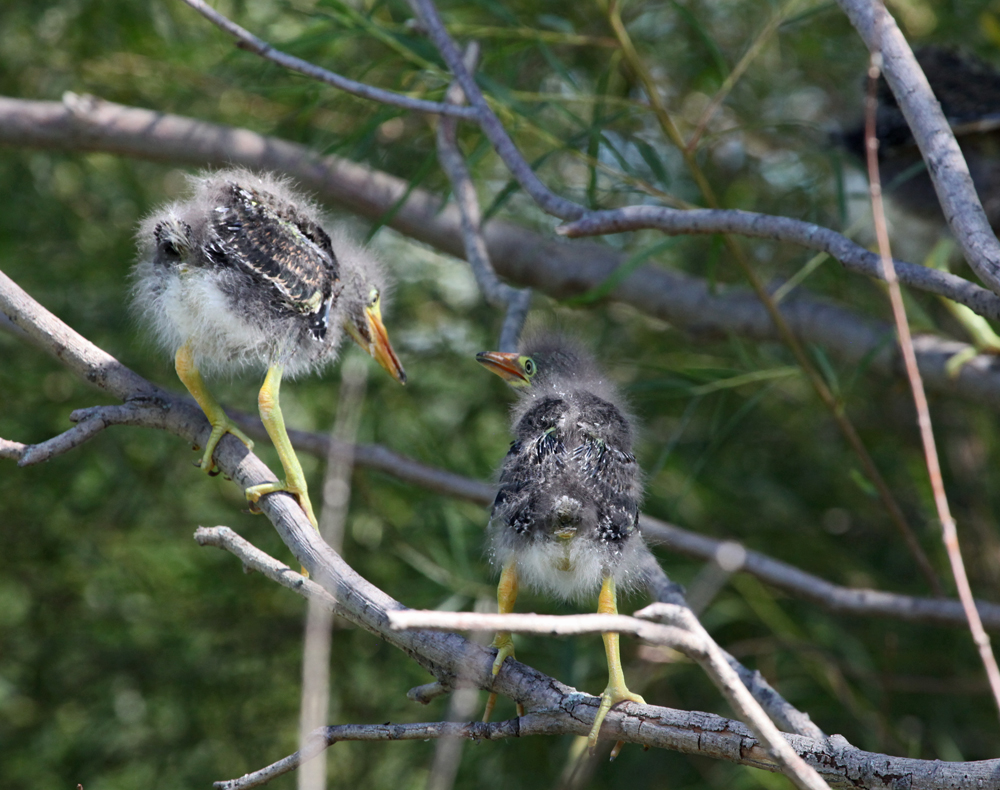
[245, 273]
[568, 503]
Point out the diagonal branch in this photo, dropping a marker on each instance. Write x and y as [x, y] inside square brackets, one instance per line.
[685, 635]
[452, 162]
[494, 130]
[555, 708]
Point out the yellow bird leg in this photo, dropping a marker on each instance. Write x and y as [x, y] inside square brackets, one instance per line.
[188, 373]
[503, 642]
[616, 691]
[270, 415]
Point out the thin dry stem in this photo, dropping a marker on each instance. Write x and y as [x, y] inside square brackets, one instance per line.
[949, 530]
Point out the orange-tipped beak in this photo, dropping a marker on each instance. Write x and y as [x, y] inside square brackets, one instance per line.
[506, 365]
[377, 342]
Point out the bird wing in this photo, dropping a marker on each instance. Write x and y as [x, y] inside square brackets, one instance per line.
[533, 465]
[571, 459]
[279, 249]
[604, 460]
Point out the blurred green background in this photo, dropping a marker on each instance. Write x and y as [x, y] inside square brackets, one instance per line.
[130, 657]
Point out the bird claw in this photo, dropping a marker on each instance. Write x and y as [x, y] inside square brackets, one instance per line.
[218, 431]
[505, 648]
[613, 694]
[254, 493]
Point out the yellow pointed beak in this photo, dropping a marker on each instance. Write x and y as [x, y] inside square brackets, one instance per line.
[506, 365]
[377, 341]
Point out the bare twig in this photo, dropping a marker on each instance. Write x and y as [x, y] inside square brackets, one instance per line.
[317, 644]
[781, 712]
[858, 602]
[949, 530]
[248, 41]
[89, 423]
[494, 130]
[687, 636]
[521, 256]
[842, 600]
[427, 693]
[563, 710]
[450, 156]
[12, 450]
[448, 754]
[548, 624]
[324, 737]
[851, 255]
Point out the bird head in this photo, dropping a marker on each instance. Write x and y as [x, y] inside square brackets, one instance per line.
[544, 360]
[517, 370]
[363, 322]
[173, 241]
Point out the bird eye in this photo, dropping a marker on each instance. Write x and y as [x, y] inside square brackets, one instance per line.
[373, 297]
[529, 367]
[170, 250]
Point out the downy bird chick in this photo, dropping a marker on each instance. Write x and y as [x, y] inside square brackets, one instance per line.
[566, 517]
[244, 274]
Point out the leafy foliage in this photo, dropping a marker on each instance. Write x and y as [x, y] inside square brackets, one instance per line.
[129, 656]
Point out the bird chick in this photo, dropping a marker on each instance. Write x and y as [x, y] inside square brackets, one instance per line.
[244, 274]
[565, 520]
[969, 92]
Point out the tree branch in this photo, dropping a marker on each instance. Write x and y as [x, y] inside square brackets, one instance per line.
[852, 256]
[559, 269]
[452, 162]
[325, 737]
[449, 658]
[687, 636]
[557, 709]
[783, 576]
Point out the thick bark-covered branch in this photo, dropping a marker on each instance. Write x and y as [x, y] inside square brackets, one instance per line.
[556, 709]
[560, 269]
